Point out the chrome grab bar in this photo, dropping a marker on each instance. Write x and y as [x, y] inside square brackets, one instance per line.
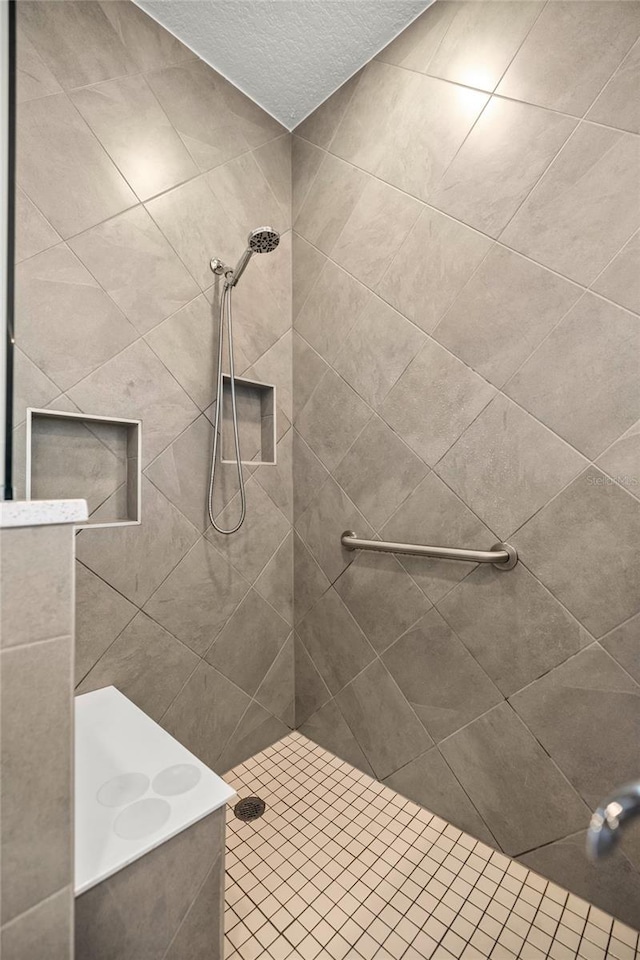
[502, 555]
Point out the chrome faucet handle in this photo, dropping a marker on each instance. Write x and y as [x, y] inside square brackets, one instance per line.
[607, 822]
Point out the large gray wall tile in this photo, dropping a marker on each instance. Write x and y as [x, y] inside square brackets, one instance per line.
[33, 233]
[617, 105]
[584, 208]
[68, 325]
[373, 701]
[379, 453]
[308, 369]
[440, 383]
[136, 384]
[34, 79]
[515, 628]
[414, 48]
[584, 547]
[431, 267]
[276, 692]
[251, 548]
[333, 304]
[382, 597]
[377, 350]
[197, 227]
[332, 196]
[244, 192]
[570, 54]
[446, 687]
[308, 472]
[426, 115]
[136, 133]
[614, 884]
[623, 644]
[257, 730]
[37, 563]
[309, 264]
[50, 923]
[427, 780]
[320, 526]
[621, 460]
[134, 263]
[573, 709]
[101, 614]
[274, 159]
[247, 645]
[508, 149]
[327, 727]
[309, 582]
[136, 559]
[150, 45]
[311, 692]
[37, 815]
[275, 583]
[83, 186]
[320, 126]
[433, 514]
[619, 281]
[203, 926]
[77, 42]
[332, 419]
[198, 597]
[480, 41]
[568, 381]
[503, 313]
[134, 914]
[205, 713]
[520, 793]
[215, 121]
[186, 342]
[146, 663]
[507, 465]
[334, 642]
[378, 225]
[181, 472]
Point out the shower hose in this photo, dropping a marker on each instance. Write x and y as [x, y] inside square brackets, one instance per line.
[226, 312]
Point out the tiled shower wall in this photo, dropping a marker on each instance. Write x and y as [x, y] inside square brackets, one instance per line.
[136, 164]
[466, 360]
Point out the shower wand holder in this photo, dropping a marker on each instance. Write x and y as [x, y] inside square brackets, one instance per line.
[221, 269]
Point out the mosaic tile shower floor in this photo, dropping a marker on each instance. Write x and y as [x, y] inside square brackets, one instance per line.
[340, 867]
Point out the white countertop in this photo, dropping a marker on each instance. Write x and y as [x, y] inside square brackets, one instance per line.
[135, 786]
[38, 513]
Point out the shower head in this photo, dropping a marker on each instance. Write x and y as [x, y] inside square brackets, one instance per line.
[261, 240]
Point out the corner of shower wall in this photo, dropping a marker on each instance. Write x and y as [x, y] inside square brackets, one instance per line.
[193, 627]
[438, 399]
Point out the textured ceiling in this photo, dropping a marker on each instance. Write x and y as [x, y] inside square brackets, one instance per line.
[287, 55]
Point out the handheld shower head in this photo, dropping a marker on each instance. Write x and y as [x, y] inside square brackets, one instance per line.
[261, 240]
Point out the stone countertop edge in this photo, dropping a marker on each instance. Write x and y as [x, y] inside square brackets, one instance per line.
[38, 513]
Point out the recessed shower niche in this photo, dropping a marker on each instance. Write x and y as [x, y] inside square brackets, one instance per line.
[94, 458]
[256, 405]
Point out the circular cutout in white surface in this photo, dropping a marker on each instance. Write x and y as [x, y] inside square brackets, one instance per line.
[142, 819]
[177, 779]
[122, 789]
